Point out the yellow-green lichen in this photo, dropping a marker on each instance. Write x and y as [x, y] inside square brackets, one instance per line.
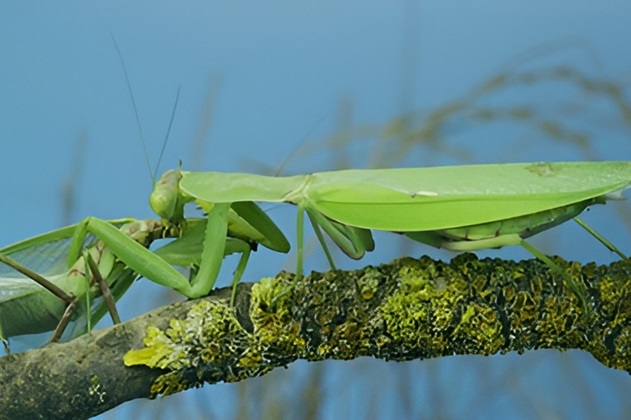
[616, 299]
[207, 334]
[614, 308]
[408, 309]
[206, 323]
[440, 310]
[275, 330]
[368, 283]
[413, 315]
[344, 342]
[210, 344]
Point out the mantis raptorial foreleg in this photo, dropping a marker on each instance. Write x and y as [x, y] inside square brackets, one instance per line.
[151, 266]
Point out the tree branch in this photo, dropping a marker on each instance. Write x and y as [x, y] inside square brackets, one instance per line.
[408, 309]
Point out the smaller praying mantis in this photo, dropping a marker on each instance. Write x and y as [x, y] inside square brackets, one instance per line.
[114, 255]
[41, 302]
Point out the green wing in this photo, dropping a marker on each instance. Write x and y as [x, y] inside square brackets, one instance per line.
[421, 199]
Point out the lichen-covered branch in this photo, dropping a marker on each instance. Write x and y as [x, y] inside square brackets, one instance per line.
[408, 309]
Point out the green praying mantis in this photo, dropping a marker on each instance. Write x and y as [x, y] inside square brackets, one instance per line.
[461, 208]
[116, 253]
[47, 299]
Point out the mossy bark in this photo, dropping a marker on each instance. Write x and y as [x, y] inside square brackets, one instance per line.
[408, 309]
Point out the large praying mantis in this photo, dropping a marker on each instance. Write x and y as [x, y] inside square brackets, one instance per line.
[461, 208]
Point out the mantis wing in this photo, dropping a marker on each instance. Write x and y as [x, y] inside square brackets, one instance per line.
[422, 199]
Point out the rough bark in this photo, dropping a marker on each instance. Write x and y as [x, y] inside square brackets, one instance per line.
[408, 309]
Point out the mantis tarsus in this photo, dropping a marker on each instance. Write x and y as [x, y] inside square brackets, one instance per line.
[461, 208]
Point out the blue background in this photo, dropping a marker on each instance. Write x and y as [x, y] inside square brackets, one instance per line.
[282, 77]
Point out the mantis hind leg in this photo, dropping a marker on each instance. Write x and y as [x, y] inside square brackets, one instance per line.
[351, 240]
[96, 278]
[105, 289]
[600, 238]
[63, 322]
[300, 242]
[574, 287]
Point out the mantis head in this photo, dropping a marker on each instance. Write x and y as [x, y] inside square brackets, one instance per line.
[166, 199]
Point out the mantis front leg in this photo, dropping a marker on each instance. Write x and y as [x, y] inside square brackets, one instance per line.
[213, 252]
[159, 269]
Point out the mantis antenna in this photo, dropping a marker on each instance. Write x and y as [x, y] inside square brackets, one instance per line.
[152, 173]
